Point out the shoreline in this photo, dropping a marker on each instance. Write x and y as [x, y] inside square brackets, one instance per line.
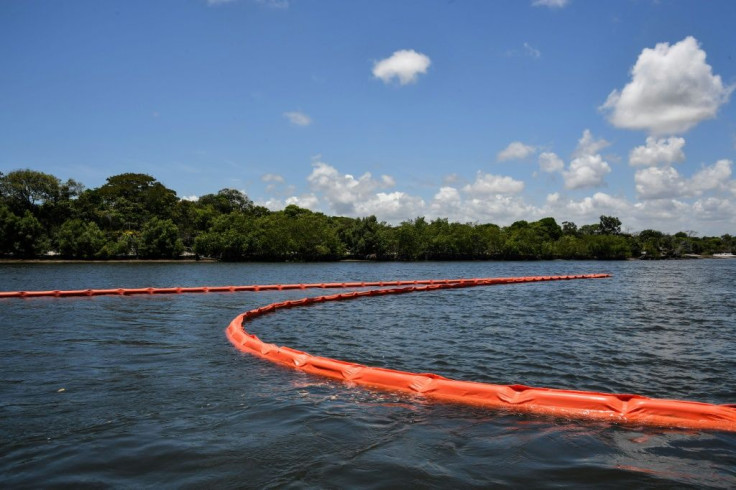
[211, 260]
[105, 261]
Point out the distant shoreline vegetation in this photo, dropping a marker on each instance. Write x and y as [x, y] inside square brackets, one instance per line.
[133, 216]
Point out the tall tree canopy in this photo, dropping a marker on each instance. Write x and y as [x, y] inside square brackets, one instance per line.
[134, 215]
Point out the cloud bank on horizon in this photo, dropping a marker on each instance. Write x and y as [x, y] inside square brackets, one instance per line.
[448, 112]
[672, 89]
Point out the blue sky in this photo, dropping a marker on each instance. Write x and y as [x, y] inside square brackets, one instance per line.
[476, 111]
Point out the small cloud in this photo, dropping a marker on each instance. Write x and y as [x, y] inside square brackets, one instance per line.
[553, 4]
[272, 178]
[298, 118]
[274, 4]
[587, 145]
[550, 162]
[192, 198]
[588, 168]
[451, 179]
[218, 2]
[515, 151]
[405, 65]
[658, 151]
[586, 171]
[531, 51]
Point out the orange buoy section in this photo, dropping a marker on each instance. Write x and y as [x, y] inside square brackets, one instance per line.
[274, 287]
[617, 408]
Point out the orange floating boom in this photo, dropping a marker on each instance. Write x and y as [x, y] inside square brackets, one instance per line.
[616, 408]
[266, 287]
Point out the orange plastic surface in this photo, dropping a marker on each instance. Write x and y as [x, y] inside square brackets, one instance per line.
[260, 287]
[617, 408]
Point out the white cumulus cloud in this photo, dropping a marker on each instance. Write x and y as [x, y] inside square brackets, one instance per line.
[308, 201]
[446, 197]
[715, 177]
[715, 209]
[659, 183]
[672, 89]
[391, 206]
[298, 118]
[587, 169]
[667, 183]
[656, 151]
[515, 151]
[405, 65]
[588, 145]
[343, 192]
[550, 162]
[589, 209]
[488, 185]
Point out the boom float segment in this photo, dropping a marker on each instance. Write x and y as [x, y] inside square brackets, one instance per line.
[269, 287]
[617, 408]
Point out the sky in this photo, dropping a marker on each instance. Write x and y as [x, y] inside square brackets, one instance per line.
[475, 111]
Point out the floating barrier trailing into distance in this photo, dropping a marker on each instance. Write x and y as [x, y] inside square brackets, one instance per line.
[273, 287]
[616, 408]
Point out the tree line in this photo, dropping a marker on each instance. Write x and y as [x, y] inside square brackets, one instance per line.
[134, 216]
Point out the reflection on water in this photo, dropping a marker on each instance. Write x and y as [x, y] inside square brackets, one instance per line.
[144, 391]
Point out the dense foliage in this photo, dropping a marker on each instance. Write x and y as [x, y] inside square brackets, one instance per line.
[135, 216]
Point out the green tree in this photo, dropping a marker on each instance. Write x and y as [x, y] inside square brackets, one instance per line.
[27, 190]
[81, 240]
[589, 229]
[30, 238]
[411, 240]
[229, 238]
[571, 247]
[8, 230]
[228, 200]
[127, 201]
[523, 242]
[48, 199]
[124, 244]
[548, 229]
[608, 247]
[491, 240]
[609, 225]
[569, 228]
[160, 239]
[364, 237]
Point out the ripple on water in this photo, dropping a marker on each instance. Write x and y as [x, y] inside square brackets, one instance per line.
[153, 394]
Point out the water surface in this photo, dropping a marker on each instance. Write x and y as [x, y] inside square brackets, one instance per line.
[146, 391]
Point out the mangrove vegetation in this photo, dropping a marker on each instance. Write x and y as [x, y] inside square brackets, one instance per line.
[135, 216]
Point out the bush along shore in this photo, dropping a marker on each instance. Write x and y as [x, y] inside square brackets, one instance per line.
[133, 216]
